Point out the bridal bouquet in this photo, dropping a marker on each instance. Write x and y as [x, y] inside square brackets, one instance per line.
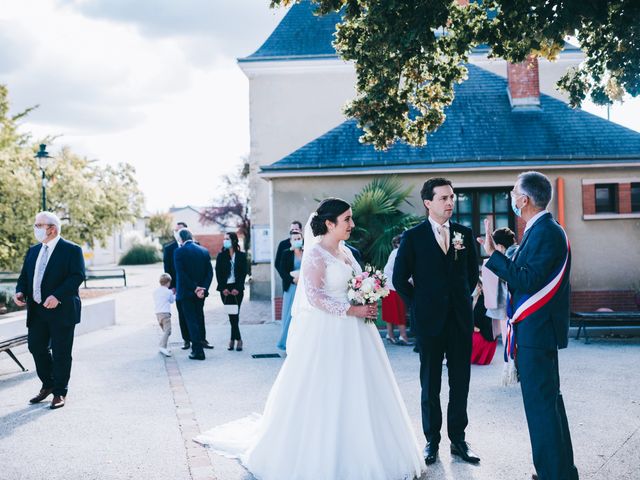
[367, 287]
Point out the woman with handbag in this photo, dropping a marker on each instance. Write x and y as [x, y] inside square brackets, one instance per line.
[231, 270]
[289, 268]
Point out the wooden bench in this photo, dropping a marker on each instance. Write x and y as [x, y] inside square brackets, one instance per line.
[603, 319]
[7, 345]
[105, 273]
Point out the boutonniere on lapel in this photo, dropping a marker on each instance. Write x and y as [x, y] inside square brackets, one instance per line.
[458, 243]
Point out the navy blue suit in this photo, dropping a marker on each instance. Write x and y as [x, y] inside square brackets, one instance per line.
[538, 337]
[63, 276]
[441, 319]
[193, 269]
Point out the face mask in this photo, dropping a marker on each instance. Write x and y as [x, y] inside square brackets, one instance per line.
[226, 244]
[40, 233]
[296, 244]
[514, 207]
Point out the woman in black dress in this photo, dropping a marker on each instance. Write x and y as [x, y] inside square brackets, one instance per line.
[231, 270]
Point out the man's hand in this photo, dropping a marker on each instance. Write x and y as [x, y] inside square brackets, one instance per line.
[19, 300]
[200, 292]
[173, 290]
[234, 292]
[51, 302]
[487, 242]
[225, 292]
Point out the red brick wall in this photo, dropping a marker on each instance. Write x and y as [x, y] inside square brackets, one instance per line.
[624, 198]
[213, 243]
[523, 79]
[616, 300]
[278, 302]
[588, 199]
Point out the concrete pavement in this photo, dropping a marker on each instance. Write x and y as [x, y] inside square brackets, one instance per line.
[130, 414]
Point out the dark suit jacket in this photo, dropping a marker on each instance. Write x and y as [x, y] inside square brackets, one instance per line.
[223, 269]
[62, 277]
[542, 251]
[440, 282]
[480, 320]
[285, 268]
[168, 252]
[193, 269]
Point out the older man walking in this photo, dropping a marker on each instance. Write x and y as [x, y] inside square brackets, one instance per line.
[538, 280]
[48, 285]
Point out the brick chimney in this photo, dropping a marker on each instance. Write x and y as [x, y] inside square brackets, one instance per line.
[524, 84]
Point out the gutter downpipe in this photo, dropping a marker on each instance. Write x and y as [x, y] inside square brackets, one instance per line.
[560, 188]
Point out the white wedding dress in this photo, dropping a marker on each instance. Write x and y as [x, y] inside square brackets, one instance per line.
[335, 411]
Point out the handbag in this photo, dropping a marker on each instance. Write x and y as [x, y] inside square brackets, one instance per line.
[231, 308]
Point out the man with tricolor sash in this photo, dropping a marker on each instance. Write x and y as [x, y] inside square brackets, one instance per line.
[538, 308]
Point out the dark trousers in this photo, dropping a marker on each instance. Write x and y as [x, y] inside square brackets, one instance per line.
[546, 416]
[457, 347]
[47, 336]
[184, 328]
[234, 320]
[193, 309]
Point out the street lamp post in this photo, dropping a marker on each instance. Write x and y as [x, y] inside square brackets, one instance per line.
[43, 160]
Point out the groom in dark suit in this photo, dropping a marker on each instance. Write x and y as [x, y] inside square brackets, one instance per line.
[542, 324]
[435, 272]
[48, 285]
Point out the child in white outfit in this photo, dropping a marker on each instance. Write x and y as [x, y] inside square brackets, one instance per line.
[163, 297]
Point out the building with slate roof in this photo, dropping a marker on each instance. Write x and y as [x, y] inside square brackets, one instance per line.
[505, 119]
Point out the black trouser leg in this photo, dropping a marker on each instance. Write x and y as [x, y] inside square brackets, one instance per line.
[61, 347]
[38, 339]
[193, 310]
[546, 417]
[234, 320]
[184, 328]
[459, 345]
[431, 355]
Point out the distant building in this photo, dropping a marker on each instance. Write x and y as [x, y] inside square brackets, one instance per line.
[505, 119]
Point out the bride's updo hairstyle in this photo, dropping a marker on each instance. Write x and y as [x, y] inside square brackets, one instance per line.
[329, 209]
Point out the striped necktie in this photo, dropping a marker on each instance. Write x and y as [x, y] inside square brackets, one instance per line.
[37, 294]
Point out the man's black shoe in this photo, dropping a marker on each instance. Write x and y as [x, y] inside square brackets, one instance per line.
[186, 346]
[462, 450]
[431, 452]
[205, 344]
[193, 356]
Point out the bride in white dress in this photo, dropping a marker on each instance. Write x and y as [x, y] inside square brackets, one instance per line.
[335, 411]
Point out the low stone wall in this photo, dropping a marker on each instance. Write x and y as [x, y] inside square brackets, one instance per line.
[96, 314]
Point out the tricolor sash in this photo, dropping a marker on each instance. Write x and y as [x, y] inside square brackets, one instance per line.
[528, 304]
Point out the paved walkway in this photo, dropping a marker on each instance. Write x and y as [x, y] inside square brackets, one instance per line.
[130, 414]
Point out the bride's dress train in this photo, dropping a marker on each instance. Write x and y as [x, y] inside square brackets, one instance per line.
[335, 411]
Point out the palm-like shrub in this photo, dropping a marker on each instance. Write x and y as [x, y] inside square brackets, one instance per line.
[378, 218]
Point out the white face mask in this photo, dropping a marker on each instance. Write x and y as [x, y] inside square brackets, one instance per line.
[40, 233]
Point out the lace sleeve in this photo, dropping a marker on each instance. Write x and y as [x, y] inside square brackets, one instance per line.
[314, 265]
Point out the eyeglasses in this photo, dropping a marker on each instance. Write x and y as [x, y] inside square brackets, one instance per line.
[42, 225]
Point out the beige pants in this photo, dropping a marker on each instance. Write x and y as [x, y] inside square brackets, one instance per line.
[164, 320]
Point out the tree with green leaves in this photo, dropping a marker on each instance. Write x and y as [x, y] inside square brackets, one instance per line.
[161, 225]
[92, 200]
[409, 54]
[378, 218]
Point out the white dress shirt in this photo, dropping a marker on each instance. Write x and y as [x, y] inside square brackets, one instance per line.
[388, 268]
[51, 244]
[436, 227]
[534, 219]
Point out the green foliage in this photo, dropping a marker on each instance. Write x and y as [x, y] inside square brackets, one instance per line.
[161, 225]
[409, 54]
[378, 218]
[141, 254]
[92, 200]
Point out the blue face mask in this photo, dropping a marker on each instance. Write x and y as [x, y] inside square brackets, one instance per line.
[226, 244]
[296, 244]
[515, 208]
